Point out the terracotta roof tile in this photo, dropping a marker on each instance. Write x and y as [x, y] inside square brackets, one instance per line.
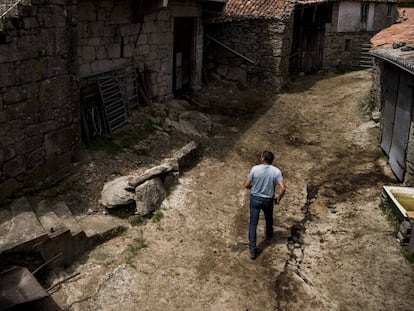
[382, 42]
[252, 9]
[268, 9]
[402, 31]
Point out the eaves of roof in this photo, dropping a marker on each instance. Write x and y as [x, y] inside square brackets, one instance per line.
[400, 57]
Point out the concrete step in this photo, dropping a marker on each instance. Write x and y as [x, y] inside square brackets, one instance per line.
[20, 230]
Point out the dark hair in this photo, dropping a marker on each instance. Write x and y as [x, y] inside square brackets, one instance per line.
[268, 156]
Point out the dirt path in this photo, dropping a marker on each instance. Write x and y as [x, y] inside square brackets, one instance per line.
[333, 249]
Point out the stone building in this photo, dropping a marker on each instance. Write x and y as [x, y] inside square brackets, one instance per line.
[283, 37]
[393, 49]
[56, 57]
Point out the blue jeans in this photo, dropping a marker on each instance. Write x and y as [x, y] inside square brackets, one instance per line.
[257, 204]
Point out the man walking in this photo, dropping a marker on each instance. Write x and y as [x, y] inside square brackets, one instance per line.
[262, 180]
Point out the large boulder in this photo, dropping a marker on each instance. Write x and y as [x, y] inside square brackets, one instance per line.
[149, 196]
[117, 192]
[194, 123]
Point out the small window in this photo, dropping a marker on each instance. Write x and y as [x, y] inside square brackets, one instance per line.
[390, 9]
[364, 12]
[348, 43]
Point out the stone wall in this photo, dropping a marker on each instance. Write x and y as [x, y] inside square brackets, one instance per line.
[110, 37]
[342, 48]
[39, 123]
[46, 47]
[267, 42]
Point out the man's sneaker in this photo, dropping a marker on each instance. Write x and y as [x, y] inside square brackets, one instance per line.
[253, 255]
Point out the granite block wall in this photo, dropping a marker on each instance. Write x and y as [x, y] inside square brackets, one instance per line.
[266, 42]
[46, 48]
[39, 119]
[110, 36]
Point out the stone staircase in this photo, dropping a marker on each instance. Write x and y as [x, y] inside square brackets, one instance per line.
[46, 229]
[362, 57]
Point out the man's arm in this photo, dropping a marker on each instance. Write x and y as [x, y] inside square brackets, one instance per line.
[248, 183]
[282, 189]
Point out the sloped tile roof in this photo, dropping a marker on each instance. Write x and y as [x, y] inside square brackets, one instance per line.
[255, 9]
[267, 9]
[382, 42]
[401, 31]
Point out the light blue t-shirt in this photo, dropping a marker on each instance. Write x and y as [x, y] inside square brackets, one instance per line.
[264, 180]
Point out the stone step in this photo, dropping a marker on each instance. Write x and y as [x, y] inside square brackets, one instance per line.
[63, 211]
[100, 228]
[20, 230]
[50, 229]
[51, 222]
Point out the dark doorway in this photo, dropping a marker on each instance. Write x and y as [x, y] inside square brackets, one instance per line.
[183, 54]
[309, 37]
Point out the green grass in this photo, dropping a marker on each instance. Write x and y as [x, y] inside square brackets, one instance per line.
[389, 212]
[409, 256]
[136, 220]
[137, 246]
[158, 215]
[134, 248]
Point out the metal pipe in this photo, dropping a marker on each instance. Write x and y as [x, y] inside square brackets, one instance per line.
[63, 281]
[230, 49]
[10, 8]
[47, 262]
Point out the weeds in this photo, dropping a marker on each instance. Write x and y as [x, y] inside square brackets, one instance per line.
[137, 246]
[134, 248]
[409, 256]
[158, 215]
[136, 220]
[389, 212]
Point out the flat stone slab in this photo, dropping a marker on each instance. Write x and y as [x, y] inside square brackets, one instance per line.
[51, 222]
[19, 226]
[101, 227]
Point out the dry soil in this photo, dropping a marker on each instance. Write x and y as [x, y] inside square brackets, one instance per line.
[334, 248]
